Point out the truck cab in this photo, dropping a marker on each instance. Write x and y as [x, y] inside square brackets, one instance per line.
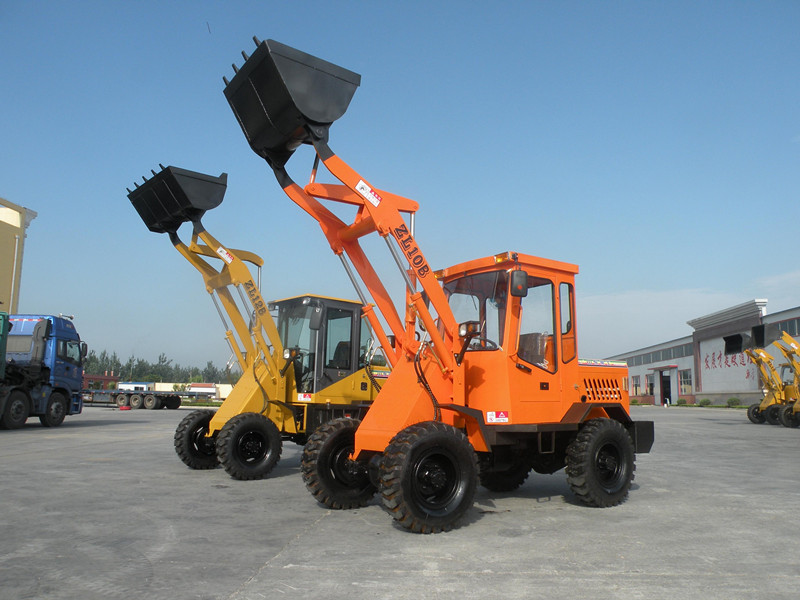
[44, 370]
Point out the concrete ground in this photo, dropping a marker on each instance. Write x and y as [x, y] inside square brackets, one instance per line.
[103, 508]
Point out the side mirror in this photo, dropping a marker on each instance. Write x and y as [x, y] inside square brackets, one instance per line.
[315, 322]
[84, 350]
[519, 284]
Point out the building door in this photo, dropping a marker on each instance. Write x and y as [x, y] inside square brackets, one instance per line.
[665, 388]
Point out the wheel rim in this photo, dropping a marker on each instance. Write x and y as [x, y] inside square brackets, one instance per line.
[252, 447]
[437, 485]
[201, 444]
[343, 469]
[57, 410]
[610, 467]
[17, 410]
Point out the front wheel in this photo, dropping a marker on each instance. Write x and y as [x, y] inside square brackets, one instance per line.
[755, 415]
[600, 463]
[56, 410]
[193, 446]
[329, 473]
[788, 417]
[428, 477]
[773, 414]
[249, 446]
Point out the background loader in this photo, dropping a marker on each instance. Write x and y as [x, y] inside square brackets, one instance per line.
[486, 383]
[778, 395]
[308, 366]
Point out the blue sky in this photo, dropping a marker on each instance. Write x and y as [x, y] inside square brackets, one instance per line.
[655, 144]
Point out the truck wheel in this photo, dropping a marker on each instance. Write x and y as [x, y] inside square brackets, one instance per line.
[755, 415]
[328, 472]
[56, 410]
[773, 414]
[122, 400]
[136, 401]
[16, 411]
[508, 479]
[788, 417]
[600, 463]
[249, 446]
[428, 477]
[150, 402]
[193, 447]
[172, 402]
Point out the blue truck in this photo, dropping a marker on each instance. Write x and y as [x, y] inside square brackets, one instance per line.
[41, 369]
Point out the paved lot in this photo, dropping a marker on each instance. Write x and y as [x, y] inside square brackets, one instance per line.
[103, 508]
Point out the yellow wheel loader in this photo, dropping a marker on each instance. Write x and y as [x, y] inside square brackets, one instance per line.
[777, 394]
[790, 413]
[304, 366]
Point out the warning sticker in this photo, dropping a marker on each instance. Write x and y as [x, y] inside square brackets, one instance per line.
[368, 193]
[225, 255]
[304, 397]
[500, 416]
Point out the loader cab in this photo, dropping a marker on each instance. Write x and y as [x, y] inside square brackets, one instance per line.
[326, 336]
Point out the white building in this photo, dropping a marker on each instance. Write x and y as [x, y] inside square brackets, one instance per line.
[697, 367]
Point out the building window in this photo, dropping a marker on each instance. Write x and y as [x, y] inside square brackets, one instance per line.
[650, 384]
[636, 385]
[685, 382]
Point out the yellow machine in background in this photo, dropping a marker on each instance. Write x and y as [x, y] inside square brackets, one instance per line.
[790, 413]
[302, 367]
[777, 394]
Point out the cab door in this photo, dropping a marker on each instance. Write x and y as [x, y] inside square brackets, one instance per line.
[339, 352]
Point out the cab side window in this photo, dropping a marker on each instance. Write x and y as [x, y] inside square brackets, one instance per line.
[537, 325]
[568, 341]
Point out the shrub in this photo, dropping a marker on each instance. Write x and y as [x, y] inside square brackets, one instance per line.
[733, 402]
[705, 402]
[681, 401]
[634, 401]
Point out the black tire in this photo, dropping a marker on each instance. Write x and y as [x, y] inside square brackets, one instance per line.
[788, 417]
[755, 415]
[16, 411]
[508, 479]
[122, 400]
[150, 402]
[172, 402]
[249, 446]
[193, 447]
[601, 463]
[56, 410]
[330, 475]
[136, 402]
[773, 414]
[428, 477]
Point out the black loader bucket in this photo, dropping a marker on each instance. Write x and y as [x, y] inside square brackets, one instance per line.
[174, 196]
[281, 97]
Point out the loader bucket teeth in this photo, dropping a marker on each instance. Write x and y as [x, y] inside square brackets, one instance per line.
[174, 196]
[283, 97]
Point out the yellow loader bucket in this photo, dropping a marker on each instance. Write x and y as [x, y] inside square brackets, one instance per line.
[282, 97]
[174, 196]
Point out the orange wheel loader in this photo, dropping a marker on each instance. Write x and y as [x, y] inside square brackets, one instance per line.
[486, 383]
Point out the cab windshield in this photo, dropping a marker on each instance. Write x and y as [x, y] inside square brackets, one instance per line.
[481, 298]
[294, 329]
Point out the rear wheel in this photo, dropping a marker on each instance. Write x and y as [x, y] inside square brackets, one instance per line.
[195, 449]
[600, 463]
[755, 415]
[788, 417]
[172, 402]
[136, 401]
[249, 446]
[16, 411]
[773, 414]
[428, 477]
[150, 402]
[56, 410]
[122, 400]
[328, 472]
